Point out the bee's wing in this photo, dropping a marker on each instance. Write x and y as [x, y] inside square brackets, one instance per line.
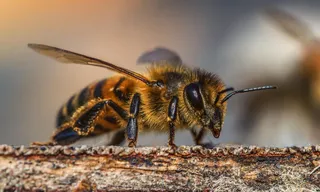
[291, 25]
[65, 56]
[159, 55]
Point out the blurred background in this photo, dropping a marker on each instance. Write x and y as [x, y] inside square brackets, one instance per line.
[232, 39]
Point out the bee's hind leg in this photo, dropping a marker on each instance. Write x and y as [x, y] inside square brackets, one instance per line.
[84, 124]
[63, 136]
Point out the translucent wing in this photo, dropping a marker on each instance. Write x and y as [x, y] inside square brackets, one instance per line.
[65, 56]
[160, 55]
[290, 25]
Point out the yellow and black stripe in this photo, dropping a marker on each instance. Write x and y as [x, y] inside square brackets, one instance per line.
[117, 88]
[70, 107]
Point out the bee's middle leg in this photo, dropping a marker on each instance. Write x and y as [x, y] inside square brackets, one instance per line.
[172, 115]
[132, 127]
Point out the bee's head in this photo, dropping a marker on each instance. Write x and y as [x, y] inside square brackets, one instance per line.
[204, 102]
[208, 103]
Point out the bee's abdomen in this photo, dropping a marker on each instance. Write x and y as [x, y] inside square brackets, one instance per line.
[71, 106]
[116, 88]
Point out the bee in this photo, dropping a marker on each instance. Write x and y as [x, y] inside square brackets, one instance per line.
[170, 96]
[309, 66]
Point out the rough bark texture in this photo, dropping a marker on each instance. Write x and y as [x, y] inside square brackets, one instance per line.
[225, 168]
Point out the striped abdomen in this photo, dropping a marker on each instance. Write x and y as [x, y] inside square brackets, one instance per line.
[117, 88]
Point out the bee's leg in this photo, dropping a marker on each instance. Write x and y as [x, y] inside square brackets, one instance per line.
[72, 131]
[118, 138]
[132, 127]
[197, 137]
[63, 136]
[172, 115]
[85, 124]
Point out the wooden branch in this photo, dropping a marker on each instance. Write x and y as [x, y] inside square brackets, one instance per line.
[225, 168]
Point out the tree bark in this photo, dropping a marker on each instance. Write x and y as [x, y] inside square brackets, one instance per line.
[100, 168]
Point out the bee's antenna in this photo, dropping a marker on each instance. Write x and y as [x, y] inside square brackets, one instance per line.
[223, 91]
[226, 90]
[247, 90]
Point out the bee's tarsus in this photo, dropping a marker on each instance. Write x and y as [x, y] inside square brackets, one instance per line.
[173, 146]
[66, 136]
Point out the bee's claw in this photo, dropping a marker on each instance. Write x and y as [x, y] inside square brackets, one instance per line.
[132, 143]
[173, 146]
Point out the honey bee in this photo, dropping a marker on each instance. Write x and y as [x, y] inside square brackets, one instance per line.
[170, 96]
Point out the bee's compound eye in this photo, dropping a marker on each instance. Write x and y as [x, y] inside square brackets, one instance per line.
[192, 92]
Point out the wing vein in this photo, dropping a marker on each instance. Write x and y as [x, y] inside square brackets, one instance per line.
[66, 56]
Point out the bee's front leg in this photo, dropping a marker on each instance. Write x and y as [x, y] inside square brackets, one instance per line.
[197, 137]
[172, 115]
[132, 127]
